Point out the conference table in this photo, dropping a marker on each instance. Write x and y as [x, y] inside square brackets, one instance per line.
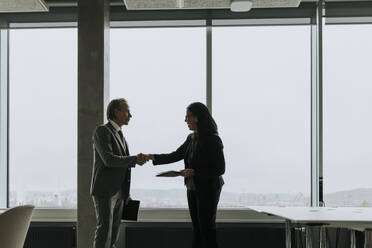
[309, 218]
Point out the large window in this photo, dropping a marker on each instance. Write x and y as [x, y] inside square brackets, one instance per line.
[347, 115]
[43, 117]
[159, 71]
[261, 102]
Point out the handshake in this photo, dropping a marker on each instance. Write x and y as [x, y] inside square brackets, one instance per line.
[143, 158]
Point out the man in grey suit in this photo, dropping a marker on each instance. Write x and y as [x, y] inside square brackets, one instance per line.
[111, 173]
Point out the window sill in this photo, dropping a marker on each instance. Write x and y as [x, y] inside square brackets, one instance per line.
[176, 215]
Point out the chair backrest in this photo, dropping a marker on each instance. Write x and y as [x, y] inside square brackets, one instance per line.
[14, 224]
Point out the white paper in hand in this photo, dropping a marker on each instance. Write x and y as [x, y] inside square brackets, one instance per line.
[169, 174]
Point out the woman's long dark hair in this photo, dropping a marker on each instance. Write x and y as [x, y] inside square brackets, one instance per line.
[206, 123]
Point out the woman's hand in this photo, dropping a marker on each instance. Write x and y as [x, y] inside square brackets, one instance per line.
[187, 173]
[150, 156]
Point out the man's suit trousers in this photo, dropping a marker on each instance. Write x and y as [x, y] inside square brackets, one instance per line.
[108, 215]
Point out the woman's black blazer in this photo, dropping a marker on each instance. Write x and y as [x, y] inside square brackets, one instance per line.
[208, 160]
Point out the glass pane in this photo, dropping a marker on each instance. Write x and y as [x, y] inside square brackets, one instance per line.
[43, 117]
[347, 115]
[261, 102]
[159, 71]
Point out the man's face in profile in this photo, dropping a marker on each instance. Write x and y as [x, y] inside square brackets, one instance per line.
[122, 115]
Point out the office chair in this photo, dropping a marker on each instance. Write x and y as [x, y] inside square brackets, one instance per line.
[14, 224]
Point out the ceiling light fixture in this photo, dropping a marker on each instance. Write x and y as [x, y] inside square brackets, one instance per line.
[240, 5]
[14, 6]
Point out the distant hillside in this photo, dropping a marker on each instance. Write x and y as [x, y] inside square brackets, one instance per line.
[352, 198]
[176, 198]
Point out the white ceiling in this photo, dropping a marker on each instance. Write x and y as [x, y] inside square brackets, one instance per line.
[9, 6]
[22, 6]
[203, 4]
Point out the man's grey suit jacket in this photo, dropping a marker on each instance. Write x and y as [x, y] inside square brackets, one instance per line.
[112, 163]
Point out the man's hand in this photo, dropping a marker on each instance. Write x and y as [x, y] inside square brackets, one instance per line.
[141, 159]
[127, 200]
[187, 173]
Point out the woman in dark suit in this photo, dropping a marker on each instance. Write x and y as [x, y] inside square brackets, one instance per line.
[202, 153]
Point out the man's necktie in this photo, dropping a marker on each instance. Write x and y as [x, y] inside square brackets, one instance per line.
[122, 140]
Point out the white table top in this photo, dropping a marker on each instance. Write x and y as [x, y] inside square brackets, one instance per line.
[349, 217]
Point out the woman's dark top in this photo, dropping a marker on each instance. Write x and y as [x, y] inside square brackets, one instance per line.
[204, 154]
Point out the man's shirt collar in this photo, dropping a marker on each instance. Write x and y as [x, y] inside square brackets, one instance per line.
[116, 126]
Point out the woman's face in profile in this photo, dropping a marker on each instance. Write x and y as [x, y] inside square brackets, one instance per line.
[191, 121]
